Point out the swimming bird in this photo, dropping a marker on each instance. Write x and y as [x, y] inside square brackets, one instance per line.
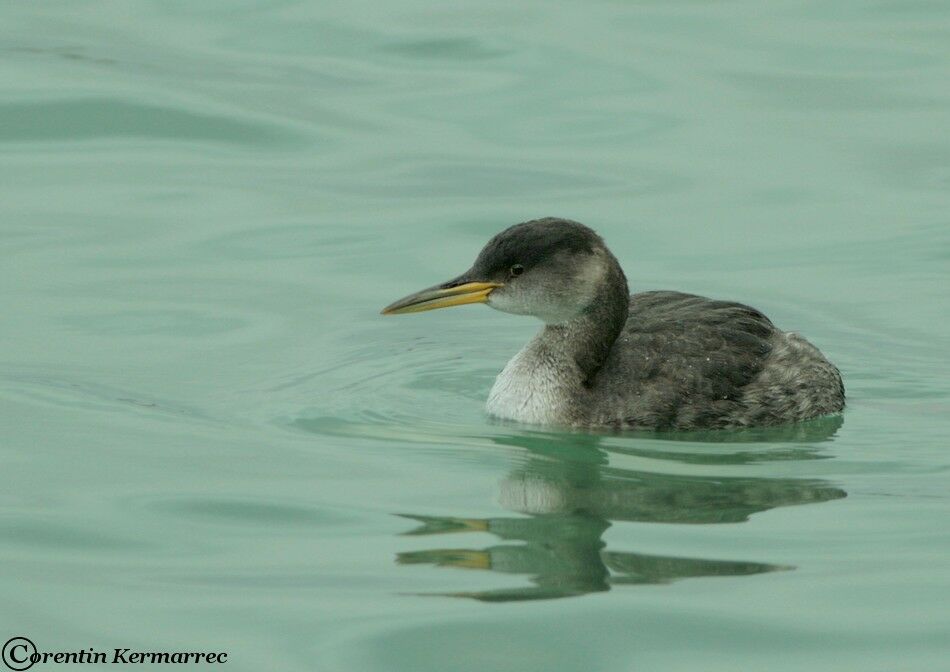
[655, 360]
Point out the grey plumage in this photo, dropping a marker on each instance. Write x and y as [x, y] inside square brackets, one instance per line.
[654, 360]
[682, 362]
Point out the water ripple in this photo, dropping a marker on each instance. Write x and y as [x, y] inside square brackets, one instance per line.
[96, 119]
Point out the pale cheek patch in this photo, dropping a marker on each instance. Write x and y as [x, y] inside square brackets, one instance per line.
[509, 302]
[591, 274]
[552, 295]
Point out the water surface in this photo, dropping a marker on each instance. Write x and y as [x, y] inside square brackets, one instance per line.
[212, 441]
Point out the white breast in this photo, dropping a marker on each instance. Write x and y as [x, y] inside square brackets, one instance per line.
[530, 389]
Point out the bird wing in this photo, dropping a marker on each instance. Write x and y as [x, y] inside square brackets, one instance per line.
[683, 360]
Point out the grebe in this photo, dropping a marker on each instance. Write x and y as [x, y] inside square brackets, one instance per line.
[604, 358]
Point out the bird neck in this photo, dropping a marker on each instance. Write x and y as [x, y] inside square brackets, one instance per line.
[589, 337]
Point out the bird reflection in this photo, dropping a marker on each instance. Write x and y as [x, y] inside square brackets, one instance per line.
[570, 494]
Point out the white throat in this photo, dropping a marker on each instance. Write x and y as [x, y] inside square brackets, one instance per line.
[534, 386]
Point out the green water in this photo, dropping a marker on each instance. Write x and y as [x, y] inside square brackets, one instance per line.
[212, 441]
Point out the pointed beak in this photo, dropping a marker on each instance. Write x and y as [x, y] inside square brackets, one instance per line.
[456, 292]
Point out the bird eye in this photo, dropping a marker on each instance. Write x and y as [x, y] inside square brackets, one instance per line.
[517, 269]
